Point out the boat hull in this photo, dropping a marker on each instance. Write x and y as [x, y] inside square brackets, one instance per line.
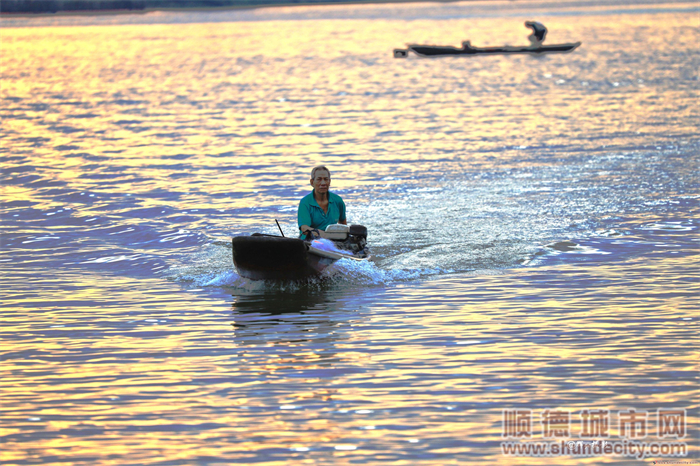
[262, 257]
[432, 51]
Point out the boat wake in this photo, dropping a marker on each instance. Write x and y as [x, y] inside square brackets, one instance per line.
[327, 245]
[212, 267]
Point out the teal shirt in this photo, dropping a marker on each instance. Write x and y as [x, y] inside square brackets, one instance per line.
[311, 214]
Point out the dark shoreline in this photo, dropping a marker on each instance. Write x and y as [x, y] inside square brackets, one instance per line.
[18, 9]
[33, 8]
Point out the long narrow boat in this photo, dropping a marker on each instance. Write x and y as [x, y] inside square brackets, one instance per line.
[431, 51]
[268, 257]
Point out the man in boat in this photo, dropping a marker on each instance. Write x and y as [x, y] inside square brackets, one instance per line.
[320, 207]
[539, 32]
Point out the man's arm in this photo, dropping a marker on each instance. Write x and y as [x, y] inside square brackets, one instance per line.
[343, 218]
[303, 217]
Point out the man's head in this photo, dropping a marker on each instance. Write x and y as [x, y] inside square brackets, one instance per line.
[321, 179]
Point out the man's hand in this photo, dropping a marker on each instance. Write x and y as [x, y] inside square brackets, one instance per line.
[315, 233]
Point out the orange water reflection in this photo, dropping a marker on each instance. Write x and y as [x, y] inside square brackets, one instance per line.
[194, 92]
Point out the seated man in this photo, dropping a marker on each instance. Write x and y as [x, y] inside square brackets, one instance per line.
[320, 207]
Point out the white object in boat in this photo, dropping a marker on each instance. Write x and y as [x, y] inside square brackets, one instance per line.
[337, 232]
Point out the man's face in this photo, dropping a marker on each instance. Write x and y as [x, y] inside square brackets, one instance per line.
[322, 181]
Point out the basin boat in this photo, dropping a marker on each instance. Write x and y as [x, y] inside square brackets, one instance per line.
[269, 257]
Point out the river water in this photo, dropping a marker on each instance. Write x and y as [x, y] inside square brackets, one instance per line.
[534, 224]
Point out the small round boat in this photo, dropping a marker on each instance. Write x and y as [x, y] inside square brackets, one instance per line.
[268, 257]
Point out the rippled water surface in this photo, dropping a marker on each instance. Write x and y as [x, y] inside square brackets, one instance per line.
[534, 223]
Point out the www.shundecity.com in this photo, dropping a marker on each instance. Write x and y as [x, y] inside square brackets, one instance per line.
[625, 448]
[676, 462]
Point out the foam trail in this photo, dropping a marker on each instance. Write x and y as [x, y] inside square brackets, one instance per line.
[368, 273]
[326, 245]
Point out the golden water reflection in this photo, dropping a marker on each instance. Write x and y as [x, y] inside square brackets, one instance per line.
[192, 95]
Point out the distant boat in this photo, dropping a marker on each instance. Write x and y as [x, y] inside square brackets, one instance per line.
[535, 47]
[430, 51]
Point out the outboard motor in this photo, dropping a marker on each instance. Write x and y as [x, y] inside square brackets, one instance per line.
[358, 230]
[357, 238]
[351, 238]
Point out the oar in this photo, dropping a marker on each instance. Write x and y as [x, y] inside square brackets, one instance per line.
[278, 226]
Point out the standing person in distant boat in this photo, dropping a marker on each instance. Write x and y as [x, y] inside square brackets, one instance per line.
[320, 207]
[539, 32]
